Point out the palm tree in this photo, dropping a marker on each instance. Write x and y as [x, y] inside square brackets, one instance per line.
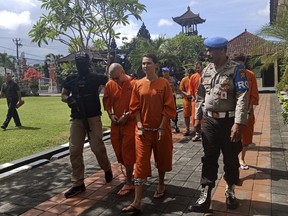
[143, 46]
[278, 31]
[7, 61]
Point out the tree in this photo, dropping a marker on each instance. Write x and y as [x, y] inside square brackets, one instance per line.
[278, 31]
[186, 49]
[77, 23]
[177, 51]
[7, 61]
[143, 46]
[32, 76]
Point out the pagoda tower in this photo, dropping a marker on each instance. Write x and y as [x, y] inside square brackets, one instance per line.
[189, 22]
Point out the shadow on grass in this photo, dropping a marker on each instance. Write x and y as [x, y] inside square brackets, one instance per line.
[24, 128]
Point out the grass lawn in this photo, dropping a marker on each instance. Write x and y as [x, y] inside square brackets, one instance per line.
[45, 123]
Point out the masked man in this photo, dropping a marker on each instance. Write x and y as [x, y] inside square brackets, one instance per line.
[81, 93]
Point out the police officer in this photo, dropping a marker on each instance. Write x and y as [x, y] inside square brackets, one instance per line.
[80, 92]
[173, 84]
[222, 102]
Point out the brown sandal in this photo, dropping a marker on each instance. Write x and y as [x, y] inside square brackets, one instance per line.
[159, 195]
[125, 190]
[131, 208]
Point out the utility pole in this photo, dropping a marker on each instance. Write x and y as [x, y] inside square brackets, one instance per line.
[18, 44]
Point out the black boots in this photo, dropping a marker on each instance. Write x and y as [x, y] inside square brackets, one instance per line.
[203, 203]
[231, 201]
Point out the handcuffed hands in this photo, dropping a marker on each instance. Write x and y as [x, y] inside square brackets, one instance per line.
[122, 120]
[114, 118]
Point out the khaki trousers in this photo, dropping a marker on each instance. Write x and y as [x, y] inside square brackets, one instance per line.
[76, 145]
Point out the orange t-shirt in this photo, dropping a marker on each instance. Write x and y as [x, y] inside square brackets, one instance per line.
[253, 95]
[152, 100]
[118, 97]
[194, 83]
[184, 86]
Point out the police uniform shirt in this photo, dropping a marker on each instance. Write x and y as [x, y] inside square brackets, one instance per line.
[86, 90]
[172, 83]
[222, 90]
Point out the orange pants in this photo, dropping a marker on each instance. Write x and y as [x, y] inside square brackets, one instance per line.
[187, 108]
[162, 151]
[193, 104]
[248, 130]
[123, 142]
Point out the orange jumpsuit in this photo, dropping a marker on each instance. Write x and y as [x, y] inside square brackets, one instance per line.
[253, 98]
[152, 100]
[193, 86]
[184, 86]
[117, 98]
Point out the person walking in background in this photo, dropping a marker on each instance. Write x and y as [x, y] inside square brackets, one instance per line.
[11, 91]
[184, 88]
[153, 106]
[193, 86]
[81, 92]
[253, 100]
[173, 84]
[222, 103]
[116, 99]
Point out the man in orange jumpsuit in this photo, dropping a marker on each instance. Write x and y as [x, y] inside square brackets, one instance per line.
[116, 99]
[153, 106]
[187, 110]
[253, 98]
[193, 86]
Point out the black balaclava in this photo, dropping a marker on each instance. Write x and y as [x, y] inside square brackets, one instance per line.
[82, 63]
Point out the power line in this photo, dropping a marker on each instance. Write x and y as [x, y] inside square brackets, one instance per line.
[7, 48]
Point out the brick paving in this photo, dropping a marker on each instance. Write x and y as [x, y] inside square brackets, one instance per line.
[263, 188]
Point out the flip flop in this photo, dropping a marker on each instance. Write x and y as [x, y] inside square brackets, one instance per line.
[125, 191]
[131, 208]
[244, 166]
[159, 195]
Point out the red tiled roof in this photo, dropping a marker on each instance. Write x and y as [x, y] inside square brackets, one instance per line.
[247, 44]
[188, 18]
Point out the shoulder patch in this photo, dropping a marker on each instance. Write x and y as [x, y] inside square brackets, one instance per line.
[240, 79]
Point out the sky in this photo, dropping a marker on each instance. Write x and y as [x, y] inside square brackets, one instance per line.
[226, 18]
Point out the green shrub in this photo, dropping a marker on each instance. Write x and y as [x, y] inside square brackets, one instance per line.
[284, 113]
[44, 86]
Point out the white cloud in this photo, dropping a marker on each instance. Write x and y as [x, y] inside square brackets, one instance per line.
[264, 12]
[192, 3]
[165, 22]
[128, 31]
[11, 21]
[18, 5]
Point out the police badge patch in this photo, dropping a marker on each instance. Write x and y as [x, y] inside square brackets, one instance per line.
[240, 79]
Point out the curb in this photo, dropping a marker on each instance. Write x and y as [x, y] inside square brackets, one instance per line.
[44, 157]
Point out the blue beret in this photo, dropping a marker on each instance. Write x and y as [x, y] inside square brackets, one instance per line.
[165, 69]
[215, 42]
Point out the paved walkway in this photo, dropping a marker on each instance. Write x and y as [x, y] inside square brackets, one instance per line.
[39, 191]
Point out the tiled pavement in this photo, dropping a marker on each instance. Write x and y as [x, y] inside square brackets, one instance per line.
[39, 191]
